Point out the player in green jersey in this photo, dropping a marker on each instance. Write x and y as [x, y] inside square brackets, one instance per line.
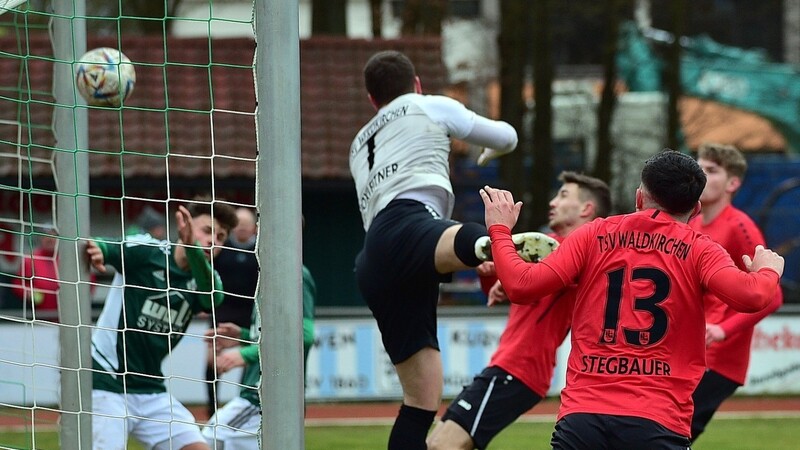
[158, 287]
[235, 425]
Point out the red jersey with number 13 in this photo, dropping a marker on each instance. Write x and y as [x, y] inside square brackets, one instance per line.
[638, 329]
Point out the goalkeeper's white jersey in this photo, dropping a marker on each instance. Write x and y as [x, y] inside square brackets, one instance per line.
[404, 148]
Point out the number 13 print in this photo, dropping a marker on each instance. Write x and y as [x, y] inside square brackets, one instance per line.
[661, 288]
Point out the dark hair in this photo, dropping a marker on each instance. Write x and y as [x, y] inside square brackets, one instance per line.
[224, 213]
[674, 181]
[592, 187]
[388, 75]
[149, 218]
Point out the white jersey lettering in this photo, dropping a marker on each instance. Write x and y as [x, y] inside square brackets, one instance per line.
[409, 146]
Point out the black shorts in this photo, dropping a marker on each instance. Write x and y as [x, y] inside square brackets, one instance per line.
[493, 401]
[709, 394]
[396, 274]
[581, 431]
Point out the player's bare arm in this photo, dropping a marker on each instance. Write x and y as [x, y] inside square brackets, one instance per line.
[500, 207]
[496, 295]
[185, 235]
[486, 269]
[95, 256]
[226, 335]
[185, 225]
[749, 292]
[764, 258]
[226, 329]
[229, 360]
[714, 333]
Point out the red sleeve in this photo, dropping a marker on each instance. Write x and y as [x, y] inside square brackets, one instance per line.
[742, 291]
[739, 322]
[744, 242]
[18, 282]
[487, 282]
[524, 283]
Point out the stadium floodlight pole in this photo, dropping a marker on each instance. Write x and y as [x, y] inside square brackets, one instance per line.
[72, 219]
[278, 199]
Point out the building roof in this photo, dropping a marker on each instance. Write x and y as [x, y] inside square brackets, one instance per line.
[205, 117]
[708, 121]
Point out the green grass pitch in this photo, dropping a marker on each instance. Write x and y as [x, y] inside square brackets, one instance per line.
[723, 434]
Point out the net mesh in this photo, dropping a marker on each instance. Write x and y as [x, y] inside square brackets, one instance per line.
[187, 129]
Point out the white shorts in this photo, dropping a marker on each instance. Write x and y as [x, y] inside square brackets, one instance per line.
[158, 421]
[235, 426]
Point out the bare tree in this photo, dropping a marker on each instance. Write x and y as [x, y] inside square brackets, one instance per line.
[375, 7]
[672, 73]
[543, 73]
[136, 16]
[608, 98]
[329, 17]
[423, 17]
[512, 42]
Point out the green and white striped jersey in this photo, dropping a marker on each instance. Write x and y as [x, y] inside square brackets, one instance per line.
[146, 313]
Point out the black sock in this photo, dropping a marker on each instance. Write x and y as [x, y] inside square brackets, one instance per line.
[464, 243]
[411, 428]
[212, 401]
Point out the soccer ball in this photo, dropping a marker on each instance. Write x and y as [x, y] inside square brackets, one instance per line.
[104, 77]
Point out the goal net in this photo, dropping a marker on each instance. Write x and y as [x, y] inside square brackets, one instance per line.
[187, 129]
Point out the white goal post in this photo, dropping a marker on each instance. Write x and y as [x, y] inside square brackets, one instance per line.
[58, 123]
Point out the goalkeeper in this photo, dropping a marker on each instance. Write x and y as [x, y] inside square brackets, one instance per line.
[157, 289]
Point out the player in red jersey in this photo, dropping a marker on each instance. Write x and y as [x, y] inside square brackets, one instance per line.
[638, 328]
[519, 373]
[728, 333]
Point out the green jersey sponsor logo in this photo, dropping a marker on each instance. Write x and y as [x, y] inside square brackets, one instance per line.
[158, 317]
